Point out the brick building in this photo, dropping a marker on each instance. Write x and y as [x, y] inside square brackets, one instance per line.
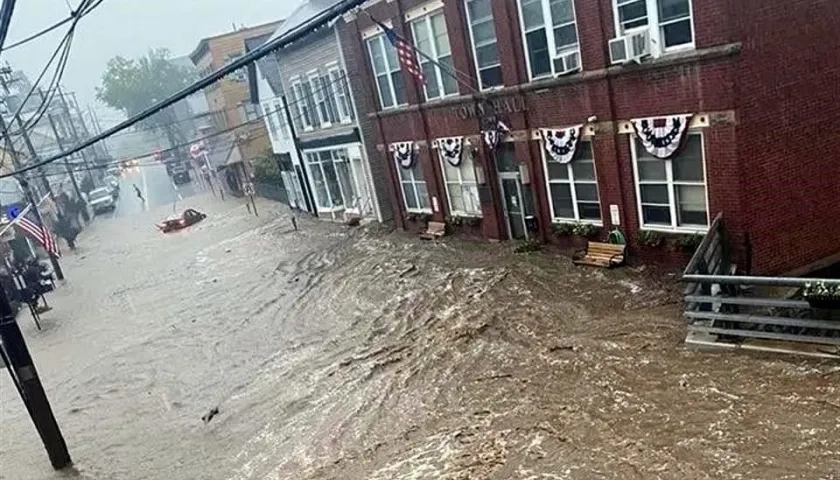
[678, 110]
[230, 96]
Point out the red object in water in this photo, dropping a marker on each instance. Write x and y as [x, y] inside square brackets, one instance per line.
[188, 218]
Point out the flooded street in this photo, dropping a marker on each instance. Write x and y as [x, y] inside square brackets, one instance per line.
[335, 353]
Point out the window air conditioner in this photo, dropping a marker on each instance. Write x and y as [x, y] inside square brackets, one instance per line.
[567, 63]
[631, 47]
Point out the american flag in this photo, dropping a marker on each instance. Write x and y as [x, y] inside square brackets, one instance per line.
[405, 52]
[40, 233]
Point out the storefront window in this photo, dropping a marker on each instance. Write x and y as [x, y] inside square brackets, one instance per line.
[572, 187]
[334, 180]
[318, 181]
[461, 186]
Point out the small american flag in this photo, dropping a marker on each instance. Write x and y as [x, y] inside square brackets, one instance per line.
[40, 233]
[405, 52]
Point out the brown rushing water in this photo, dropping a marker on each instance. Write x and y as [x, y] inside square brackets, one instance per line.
[355, 354]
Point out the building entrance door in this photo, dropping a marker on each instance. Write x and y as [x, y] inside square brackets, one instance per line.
[514, 204]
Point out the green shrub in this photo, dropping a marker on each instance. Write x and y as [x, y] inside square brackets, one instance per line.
[527, 246]
[650, 238]
[689, 243]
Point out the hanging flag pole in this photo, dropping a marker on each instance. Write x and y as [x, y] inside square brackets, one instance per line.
[493, 128]
[407, 60]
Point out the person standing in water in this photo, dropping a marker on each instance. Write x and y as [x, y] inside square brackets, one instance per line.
[139, 194]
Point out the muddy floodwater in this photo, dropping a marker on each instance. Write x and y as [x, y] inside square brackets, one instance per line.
[336, 353]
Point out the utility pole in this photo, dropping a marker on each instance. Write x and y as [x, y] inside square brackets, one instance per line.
[75, 132]
[66, 160]
[25, 377]
[25, 134]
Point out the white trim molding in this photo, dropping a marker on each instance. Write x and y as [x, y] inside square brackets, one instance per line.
[424, 9]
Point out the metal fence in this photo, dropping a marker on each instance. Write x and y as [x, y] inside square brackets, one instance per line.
[272, 191]
[735, 308]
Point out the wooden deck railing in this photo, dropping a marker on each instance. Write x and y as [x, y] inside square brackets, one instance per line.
[720, 303]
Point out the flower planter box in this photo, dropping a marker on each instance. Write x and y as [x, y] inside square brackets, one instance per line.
[828, 302]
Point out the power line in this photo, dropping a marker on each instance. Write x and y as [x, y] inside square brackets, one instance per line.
[41, 33]
[315, 22]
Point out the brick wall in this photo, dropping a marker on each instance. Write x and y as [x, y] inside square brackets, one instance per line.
[789, 146]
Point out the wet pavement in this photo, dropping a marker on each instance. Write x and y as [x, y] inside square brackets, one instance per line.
[335, 353]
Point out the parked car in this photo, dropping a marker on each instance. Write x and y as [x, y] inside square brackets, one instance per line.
[102, 200]
[114, 184]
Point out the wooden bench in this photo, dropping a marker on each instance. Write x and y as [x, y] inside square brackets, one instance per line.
[434, 230]
[597, 254]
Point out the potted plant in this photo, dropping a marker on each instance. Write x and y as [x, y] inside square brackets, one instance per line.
[822, 295]
[650, 238]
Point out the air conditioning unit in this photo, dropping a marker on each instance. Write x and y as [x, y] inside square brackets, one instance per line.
[567, 63]
[631, 47]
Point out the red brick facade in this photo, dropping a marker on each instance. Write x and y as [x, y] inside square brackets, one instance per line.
[764, 84]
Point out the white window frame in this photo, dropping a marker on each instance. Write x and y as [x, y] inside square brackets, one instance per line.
[475, 47]
[269, 121]
[339, 92]
[572, 182]
[413, 181]
[656, 28]
[319, 97]
[671, 185]
[460, 182]
[380, 40]
[299, 99]
[320, 165]
[425, 21]
[548, 29]
[282, 124]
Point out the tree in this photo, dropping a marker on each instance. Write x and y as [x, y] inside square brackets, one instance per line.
[133, 85]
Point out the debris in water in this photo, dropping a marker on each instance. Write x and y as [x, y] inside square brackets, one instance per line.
[411, 268]
[209, 415]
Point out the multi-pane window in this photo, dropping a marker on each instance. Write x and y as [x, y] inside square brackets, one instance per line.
[302, 100]
[431, 38]
[322, 94]
[485, 47]
[573, 187]
[672, 21]
[386, 69]
[341, 92]
[413, 186]
[325, 180]
[551, 37]
[461, 186]
[672, 193]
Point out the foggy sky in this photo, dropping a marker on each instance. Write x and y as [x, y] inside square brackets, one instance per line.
[128, 28]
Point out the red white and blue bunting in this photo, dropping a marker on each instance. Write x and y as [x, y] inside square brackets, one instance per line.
[451, 149]
[561, 144]
[662, 136]
[404, 153]
[494, 136]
